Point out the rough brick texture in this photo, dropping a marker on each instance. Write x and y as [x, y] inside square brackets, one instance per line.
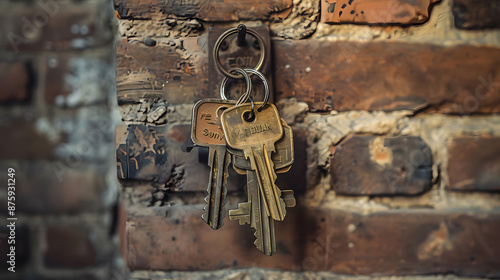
[370, 165]
[470, 14]
[375, 11]
[225, 10]
[347, 76]
[401, 242]
[474, 164]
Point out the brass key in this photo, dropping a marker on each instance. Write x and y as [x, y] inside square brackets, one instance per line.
[252, 212]
[207, 132]
[256, 136]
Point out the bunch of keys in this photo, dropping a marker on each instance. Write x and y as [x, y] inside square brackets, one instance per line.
[259, 143]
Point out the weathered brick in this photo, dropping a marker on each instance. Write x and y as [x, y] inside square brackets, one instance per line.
[385, 243]
[174, 77]
[55, 25]
[68, 247]
[55, 188]
[474, 164]
[375, 11]
[470, 14]
[347, 76]
[376, 165]
[75, 79]
[25, 142]
[21, 240]
[225, 10]
[16, 79]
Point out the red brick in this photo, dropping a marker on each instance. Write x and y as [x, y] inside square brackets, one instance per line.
[55, 25]
[68, 247]
[55, 188]
[474, 164]
[225, 10]
[348, 76]
[385, 243]
[470, 14]
[375, 11]
[25, 142]
[16, 79]
[375, 165]
[160, 71]
[76, 79]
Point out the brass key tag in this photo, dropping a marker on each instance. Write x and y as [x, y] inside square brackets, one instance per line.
[206, 127]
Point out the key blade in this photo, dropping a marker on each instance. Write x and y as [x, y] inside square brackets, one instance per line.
[273, 204]
[261, 222]
[216, 198]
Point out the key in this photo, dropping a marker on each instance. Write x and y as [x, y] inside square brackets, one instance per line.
[206, 131]
[282, 158]
[257, 138]
[286, 195]
[252, 212]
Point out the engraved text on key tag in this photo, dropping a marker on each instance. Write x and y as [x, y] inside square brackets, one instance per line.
[282, 158]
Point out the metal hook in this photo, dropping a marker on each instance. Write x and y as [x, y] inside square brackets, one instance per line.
[242, 33]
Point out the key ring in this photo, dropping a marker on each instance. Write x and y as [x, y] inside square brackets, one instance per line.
[253, 71]
[251, 117]
[224, 36]
[243, 98]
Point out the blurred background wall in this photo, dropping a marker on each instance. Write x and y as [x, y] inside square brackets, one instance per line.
[58, 113]
[394, 106]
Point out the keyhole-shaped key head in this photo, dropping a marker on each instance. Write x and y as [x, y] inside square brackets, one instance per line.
[264, 128]
[207, 127]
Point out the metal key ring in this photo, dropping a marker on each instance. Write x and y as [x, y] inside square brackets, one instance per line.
[251, 117]
[266, 86]
[243, 98]
[224, 36]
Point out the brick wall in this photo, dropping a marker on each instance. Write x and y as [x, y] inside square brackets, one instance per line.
[394, 106]
[57, 73]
